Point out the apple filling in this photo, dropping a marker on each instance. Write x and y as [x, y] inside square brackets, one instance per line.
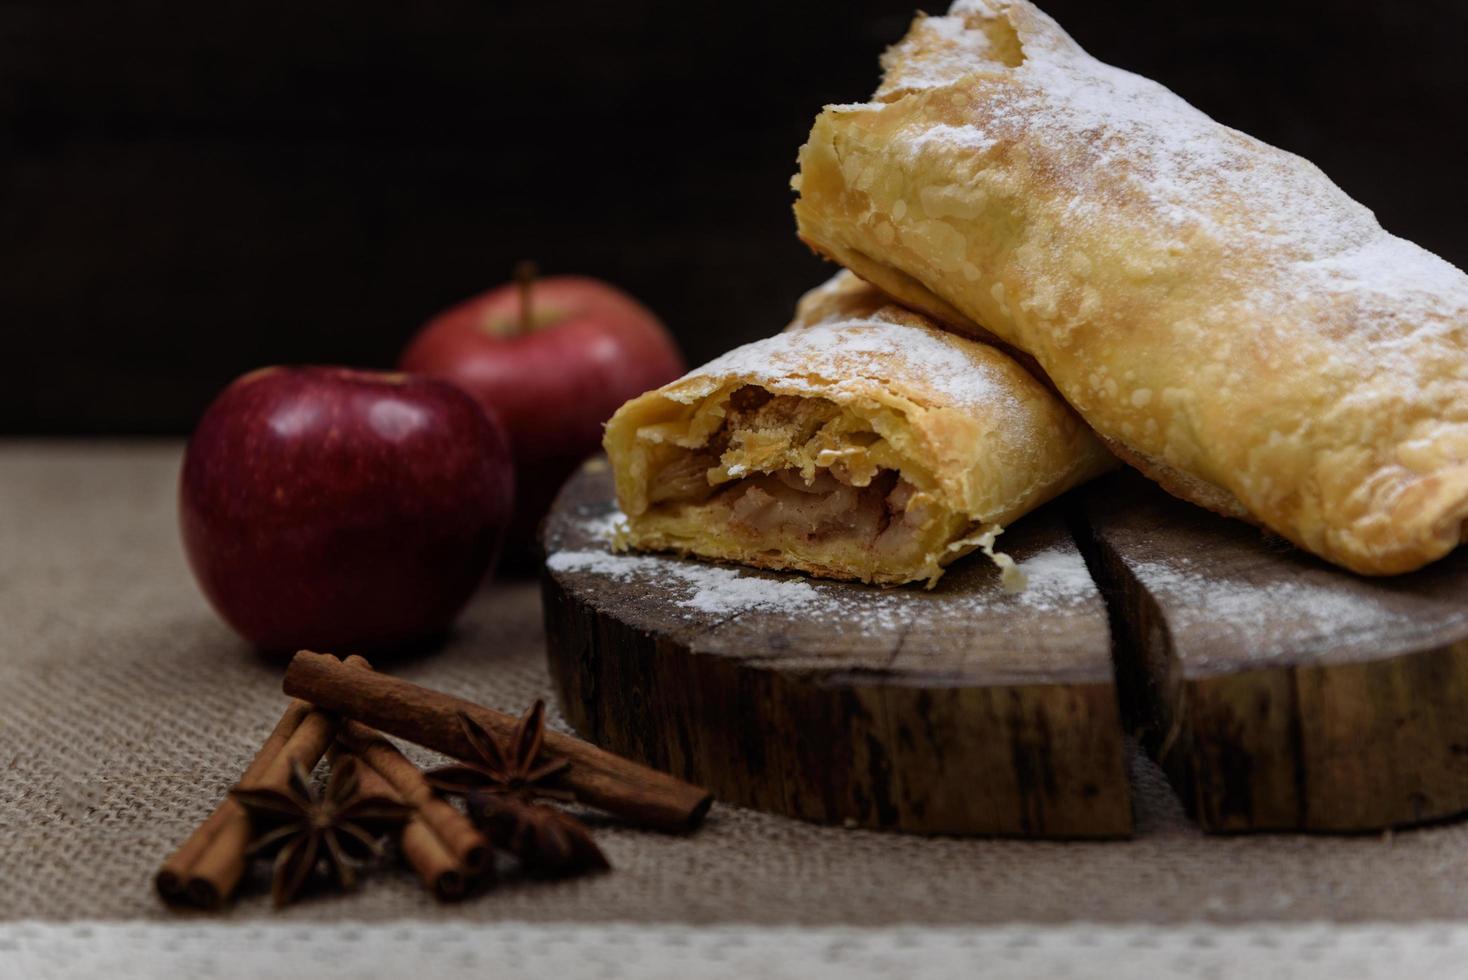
[792, 482]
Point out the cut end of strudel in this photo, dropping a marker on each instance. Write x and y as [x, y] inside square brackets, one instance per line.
[867, 445]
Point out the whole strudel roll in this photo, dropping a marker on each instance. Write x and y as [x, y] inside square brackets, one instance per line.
[861, 444]
[1219, 311]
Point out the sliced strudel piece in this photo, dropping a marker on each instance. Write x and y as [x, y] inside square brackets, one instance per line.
[866, 445]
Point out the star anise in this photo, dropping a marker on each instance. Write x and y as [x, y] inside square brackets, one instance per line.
[339, 824]
[545, 839]
[510, 770]
[500, 790]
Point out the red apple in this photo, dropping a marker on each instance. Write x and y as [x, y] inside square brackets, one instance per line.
[554, 357]
[342, 510]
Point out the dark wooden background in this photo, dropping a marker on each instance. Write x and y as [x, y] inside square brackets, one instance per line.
[189, 190]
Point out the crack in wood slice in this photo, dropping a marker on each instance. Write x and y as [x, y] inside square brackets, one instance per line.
[1278, 692]
[962, 710]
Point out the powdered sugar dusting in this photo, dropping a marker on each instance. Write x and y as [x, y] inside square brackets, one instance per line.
[711, 589]
[971, 138]
[950, 50]
[1273, 616]
[849, 356]
[1125, 143]
[1197, 177]
[606, 528]
[1055, 579]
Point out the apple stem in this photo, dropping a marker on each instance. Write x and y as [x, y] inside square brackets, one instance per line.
[525, 273]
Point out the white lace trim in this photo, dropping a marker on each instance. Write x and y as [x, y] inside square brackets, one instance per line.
[450, 951]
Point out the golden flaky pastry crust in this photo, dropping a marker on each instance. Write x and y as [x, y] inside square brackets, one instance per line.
[1223, 315]
[856, 395]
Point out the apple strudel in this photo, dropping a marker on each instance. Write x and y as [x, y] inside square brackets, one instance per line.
[1221, 313]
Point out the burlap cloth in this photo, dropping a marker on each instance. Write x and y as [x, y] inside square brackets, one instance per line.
[127, 709]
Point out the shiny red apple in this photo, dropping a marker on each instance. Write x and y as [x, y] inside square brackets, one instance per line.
[554, 358]
[342, 510]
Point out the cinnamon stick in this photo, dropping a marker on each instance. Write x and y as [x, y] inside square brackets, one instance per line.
[430, 718]
[206, 868]
[441, 844]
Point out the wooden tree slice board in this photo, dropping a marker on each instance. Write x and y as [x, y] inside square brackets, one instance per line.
[1278, 691]
[962, 710]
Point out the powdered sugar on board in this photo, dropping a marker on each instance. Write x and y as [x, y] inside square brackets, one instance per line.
[1057, 580]
[712, 589]
[606, 527]
[1317, 610]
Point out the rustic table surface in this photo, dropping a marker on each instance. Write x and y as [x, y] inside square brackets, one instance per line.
[128, 708]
